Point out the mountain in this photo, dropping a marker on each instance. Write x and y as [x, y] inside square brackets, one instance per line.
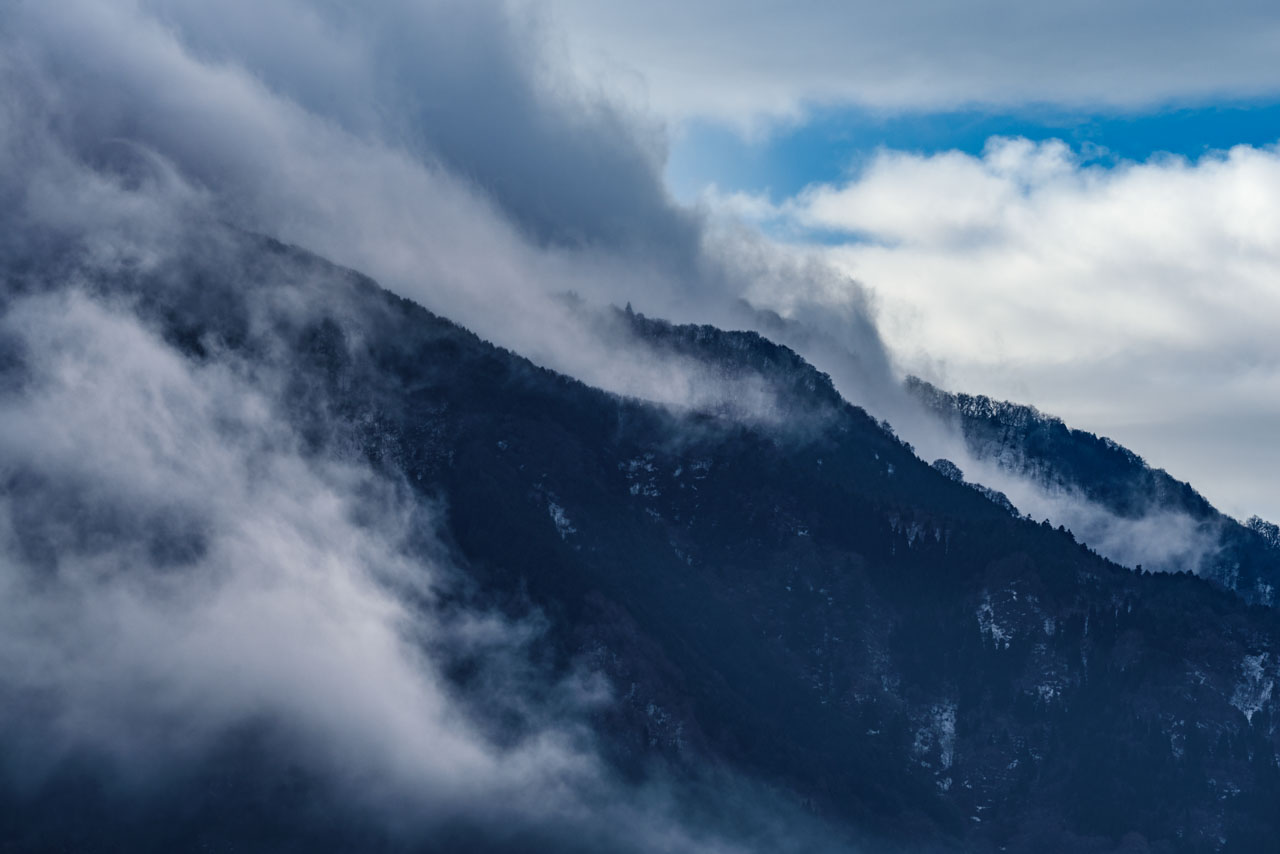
[780, 593]
[1024, 442]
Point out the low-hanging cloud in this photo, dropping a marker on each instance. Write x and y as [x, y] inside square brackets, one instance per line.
[174, 566]
[384, 159]
[1158, 540]
[1134, 300]
[444, 151]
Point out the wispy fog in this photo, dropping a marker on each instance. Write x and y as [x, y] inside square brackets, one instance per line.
[439, 147]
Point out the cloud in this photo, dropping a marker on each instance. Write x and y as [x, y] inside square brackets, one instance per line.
[174, 566]
[751, 62]
[386, 157]
[440, 147]
[1159, 540]
[179, 565]
[470, 85]
[1134, 301]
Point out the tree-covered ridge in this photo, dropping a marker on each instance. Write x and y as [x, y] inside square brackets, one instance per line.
[1027, 441]
[1042, 448]
[1268, 531]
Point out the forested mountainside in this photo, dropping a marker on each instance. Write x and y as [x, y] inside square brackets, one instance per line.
[1020, 439]
[794, 599]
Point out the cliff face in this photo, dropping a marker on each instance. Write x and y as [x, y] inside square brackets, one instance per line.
[809, 606]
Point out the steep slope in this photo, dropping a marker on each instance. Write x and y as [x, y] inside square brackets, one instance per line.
[1041, 448]
[816, 608]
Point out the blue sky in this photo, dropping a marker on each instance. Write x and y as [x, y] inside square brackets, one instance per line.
[825, 146]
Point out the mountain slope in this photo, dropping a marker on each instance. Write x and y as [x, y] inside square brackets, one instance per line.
[814, 608]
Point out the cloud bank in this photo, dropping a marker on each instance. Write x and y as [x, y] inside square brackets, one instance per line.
[440, 147]
[176, 571]
[1136, 301]
[751, 62]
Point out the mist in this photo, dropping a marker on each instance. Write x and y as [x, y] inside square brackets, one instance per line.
[443, 148]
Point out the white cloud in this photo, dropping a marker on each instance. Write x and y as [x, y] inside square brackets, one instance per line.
[173, 568]
[1023, 273]
[1138, 301]
[747, 61]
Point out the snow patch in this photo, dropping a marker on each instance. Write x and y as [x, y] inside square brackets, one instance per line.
[1048, 691]
[938, 733]
[563, 526]
[1254, 689]
[987, 624]
[642, 473]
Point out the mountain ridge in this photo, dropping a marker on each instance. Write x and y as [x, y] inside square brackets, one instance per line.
[1043, 449]
[820, 610]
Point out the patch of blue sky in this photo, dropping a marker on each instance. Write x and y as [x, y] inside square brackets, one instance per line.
[831, 144]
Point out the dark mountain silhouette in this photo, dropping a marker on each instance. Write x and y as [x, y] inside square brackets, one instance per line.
[810, 606]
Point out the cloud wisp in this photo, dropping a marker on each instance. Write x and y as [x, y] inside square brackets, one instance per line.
[444, 150]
